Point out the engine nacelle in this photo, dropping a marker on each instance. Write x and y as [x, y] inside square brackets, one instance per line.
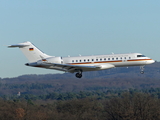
[106, 66]
[53, 60]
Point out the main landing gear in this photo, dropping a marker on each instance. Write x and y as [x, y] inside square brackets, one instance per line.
[79, 74]
[142, 69]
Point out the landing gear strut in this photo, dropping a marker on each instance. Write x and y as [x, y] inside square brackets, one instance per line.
[79, 74]
[142, 69]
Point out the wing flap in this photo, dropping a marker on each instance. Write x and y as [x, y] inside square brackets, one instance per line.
[68, 65]
[73, 68]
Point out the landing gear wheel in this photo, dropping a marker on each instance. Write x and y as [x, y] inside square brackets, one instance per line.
[78, 75]
[142, 69]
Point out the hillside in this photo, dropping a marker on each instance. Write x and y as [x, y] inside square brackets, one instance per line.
[116, 78]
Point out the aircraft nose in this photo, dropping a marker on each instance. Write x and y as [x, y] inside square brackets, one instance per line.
[150, 61]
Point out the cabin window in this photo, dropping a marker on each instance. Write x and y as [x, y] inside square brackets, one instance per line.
[96, 59]
[104, 58]
[112, 58]
[108, 58]
[124, 57]
[72, 60]
[92, 59]
[129, 57]
[76, 60]
[84, 60]
[100, 59]
[88, 60]
[80, 60]
[117, 58]
[121, 58]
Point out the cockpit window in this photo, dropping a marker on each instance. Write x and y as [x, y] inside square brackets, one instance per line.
[141, 56]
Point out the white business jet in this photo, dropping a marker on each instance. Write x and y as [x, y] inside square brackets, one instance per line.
[81, 63]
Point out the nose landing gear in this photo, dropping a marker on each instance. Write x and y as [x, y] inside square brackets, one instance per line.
[142, 69]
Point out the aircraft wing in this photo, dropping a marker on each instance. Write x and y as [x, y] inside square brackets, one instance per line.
[73, 68]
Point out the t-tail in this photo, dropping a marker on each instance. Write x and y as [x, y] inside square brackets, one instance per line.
[31, 52]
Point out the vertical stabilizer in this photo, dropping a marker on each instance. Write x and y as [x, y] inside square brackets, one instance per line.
[32, 53]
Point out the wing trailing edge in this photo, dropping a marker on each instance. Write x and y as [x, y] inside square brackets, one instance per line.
[74, 68]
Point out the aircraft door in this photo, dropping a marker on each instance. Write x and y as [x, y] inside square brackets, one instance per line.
[61, 60]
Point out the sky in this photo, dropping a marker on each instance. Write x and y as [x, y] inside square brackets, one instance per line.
[72, 27]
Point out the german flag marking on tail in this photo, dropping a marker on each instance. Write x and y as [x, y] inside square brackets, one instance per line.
[31, 49]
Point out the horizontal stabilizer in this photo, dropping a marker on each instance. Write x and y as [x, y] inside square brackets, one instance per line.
[18, 45]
